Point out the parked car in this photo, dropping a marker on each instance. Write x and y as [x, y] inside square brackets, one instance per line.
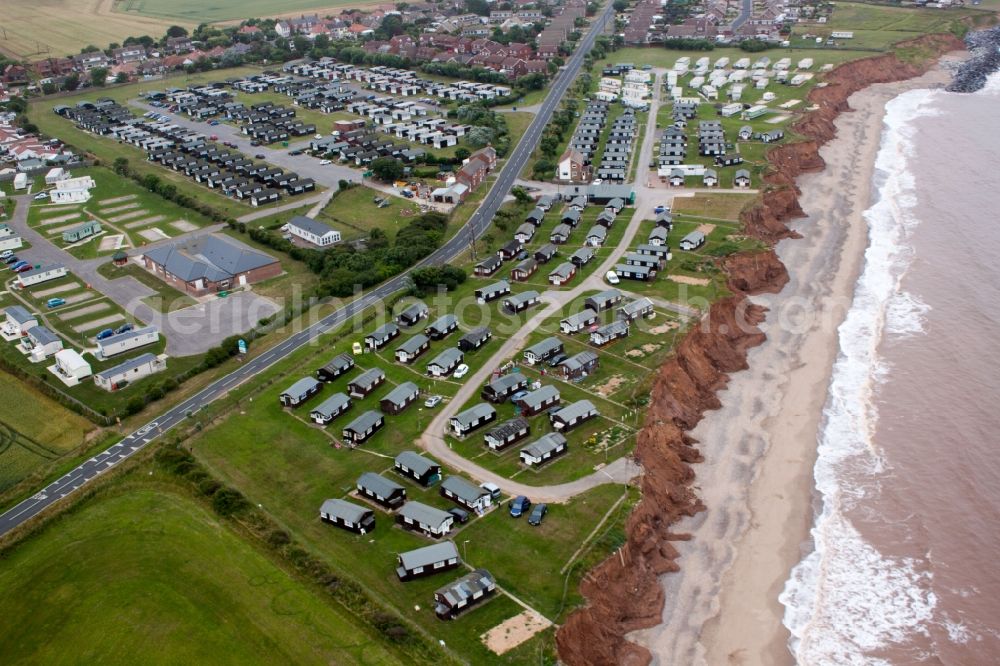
[255, 143]
[18, 265]
[612, 277]
[461, 371]
[538, 514]
[519, 505]
[293, 153]
[325, 162]
[6, 254]
[26, 267]
[259, 156]
[557, 359]
[460, 515]
[12, 259]
[40, 196]
[55, 302]
[518, 395]
[213, 137]
[433, 401]
[492, 488]
[213, 123]
[124, 328]
[105, 334]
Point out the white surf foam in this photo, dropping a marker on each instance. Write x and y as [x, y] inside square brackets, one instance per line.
[846, 599]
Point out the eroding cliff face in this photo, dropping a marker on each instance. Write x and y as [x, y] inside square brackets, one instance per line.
[623, 592]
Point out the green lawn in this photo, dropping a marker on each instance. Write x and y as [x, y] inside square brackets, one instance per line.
[355, 213]
[225, 10]
[167, 298]
[722, 206]
[150, 572]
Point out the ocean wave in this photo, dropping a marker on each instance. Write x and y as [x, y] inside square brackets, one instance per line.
[845, 599]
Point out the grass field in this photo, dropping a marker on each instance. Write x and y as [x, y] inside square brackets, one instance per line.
[226, 10]
[152, 573]
[355, 213]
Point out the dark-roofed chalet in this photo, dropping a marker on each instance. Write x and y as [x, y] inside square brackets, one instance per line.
[660, 251]
[366, 382]
[331, 408]
[347, 515]
[412, 314]
[430, 521]
[542, 351]
[510, 250]
[609, 332]
[381, 490]
[381, 336]
[582, 256]
[538, 400]
[573, 415]
[442, 327]
[491, 292]
[545, 201]
[445, 363]
[429, 559]
[399, 398]
[362, 428]
[410, 350]
[524, 270]
[664, 220]
[545, 448]
[503, 387]
[596, 236]
[692, 241]
[535, 216]
[579, 365]
[643, 273]
[604, 300]
[605, 219]
[489, 265]
[571, 217]
[419, 468]
[615, 205]
[560, 234]
[545, 253]
[337, 366]
[466, 494]
[647, 260]
[578, 322]
[640, 307]
[300, 391]
[470, 589]
[475, 339]
[521, 302]
[474, 417]
[507, 433]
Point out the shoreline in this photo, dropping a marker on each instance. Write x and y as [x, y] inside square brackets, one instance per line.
[770, 419]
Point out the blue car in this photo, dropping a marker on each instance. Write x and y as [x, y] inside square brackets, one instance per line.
[105, 334]
[19, 265]
[519, 505]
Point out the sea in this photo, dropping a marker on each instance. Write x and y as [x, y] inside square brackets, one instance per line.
[904, 561]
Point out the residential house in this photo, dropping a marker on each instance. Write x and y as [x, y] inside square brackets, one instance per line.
[347, 515]
[423, 470]
[399, 398]
[300, 391]
[544, 449]
[525, 232]
[388, 493]
[573, 415]
[475, 417]
[741, 179]
[560, 234]
[629, 272]
[510, 250]
[582, 256]
[572, 167]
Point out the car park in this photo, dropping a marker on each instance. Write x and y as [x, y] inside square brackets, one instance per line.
[538, 514]
[55, 302]
[460, 515]
[519, 505]
[433, 401]
[461, 371]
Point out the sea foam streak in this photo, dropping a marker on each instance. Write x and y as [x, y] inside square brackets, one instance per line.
[846, 599]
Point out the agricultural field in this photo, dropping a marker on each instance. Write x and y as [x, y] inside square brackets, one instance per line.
[879, 27]
[229, 10]
[130, 216]
[181, 581]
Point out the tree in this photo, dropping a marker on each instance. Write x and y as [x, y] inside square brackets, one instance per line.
[387, 169]
[121, 77]
[521, 195]
[462, 154]
[620, 5]
[176, 31]
[301, 43]
[120, 166]
[72, 82]
[89, 48]
[49, 88]
[481, 7]
[98, 76]
[753, 45]
[480, 136]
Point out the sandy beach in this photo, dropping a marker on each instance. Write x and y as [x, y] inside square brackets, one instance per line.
[759, 448]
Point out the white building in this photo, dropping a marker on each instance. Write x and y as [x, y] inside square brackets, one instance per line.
[72, 190]
[17, 321]
[40, 343]
[10, 243]
[130, 371]
[40, 275]
[313, 231]
[123, 342]
[634, 92]
[21, 181]
[55, 175]
[71, 365]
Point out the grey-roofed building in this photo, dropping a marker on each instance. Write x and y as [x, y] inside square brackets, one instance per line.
[573, 415]
[562, 273]
[331, 408]
[362, 428]
[524, 269]
[366, 382]
[604, 300]
[579, 365]
[412, 314]
[597, 235]
[522, 301]
[421, 469]
[507, 433]
[442, 327]
[692, 241]
[543, 449]
[467, 494]
[463, 423]
[347, 515]
[543, 350]
[545, 253]
[411, 349]
[130, 371]
[644, 273]
[560, 234]
[399, 398]
[470, 589]
[640, 307]
[337, 366]
[545, 201]
[491, 292]
[381, 336]
[640, 259]
[429, 559]
[380, 489]
[582, 256]
[18, 320]
[578, 322]
[525, 232]
[489, 265]
[610, 332]
[535, 216]
[209, 263]
[313, 231]
[742, 178]
[40, 343]
[300, 391]
[445, 363]
[504, 386]
[538, 400]
[658, 236]
[475, 339]
[660, 251]
[127, 341]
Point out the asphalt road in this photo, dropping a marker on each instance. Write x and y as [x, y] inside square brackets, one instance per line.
[746, 9]
[474, 228]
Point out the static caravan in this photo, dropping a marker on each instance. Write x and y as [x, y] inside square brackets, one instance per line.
[544, 449]
[573, 415]
[347, 515]
[507, 433]
[423, 470]
[127, 341]
[330, 408]
[428, 520]
[429, 559]
[469, 420]
[470, 589]
[388, 493]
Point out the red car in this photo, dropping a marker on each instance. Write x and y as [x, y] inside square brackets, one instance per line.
[24, 268]
[213, 138]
